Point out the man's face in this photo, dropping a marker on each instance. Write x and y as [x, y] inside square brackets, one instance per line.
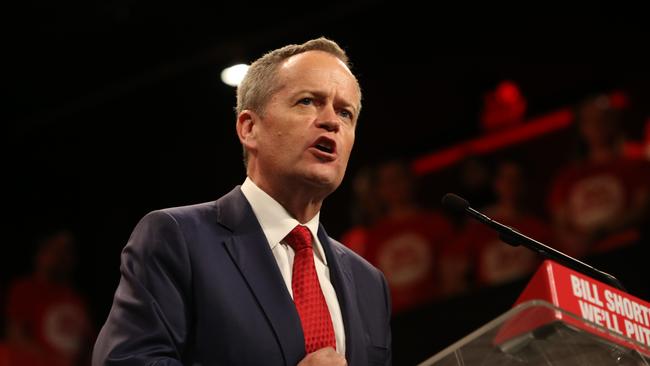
[56, 257]
[394, 184]
[508, 183]
[306, 132]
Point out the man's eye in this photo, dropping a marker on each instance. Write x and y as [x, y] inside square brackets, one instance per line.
[306, 101]
[345, 114]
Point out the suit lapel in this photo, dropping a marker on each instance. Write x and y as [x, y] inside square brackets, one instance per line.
[341, 278]
[251, 253]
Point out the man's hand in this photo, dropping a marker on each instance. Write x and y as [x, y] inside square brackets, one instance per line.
[324, 356]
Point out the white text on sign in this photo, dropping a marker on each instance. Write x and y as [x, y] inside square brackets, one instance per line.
[616, 310]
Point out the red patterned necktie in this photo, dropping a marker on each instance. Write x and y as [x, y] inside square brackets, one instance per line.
[307, 294]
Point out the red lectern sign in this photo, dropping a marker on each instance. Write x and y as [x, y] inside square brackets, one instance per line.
[594, 301]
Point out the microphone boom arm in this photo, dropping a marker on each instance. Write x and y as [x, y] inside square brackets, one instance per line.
[515, 238]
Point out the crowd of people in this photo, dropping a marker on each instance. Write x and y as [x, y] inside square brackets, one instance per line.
[597, 204]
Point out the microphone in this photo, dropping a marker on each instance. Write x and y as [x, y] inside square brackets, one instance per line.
[513, 237]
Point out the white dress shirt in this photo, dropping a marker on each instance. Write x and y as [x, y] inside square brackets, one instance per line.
[276, 223]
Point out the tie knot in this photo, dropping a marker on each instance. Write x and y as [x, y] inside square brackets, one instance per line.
[299, 238]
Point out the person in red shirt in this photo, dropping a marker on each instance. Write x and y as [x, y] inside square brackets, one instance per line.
[12, 355]
[406, 242]
[366, 209]
[46, 318]
[488, 260]
[598, 203]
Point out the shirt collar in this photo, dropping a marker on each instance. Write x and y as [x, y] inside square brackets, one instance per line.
[276, 222]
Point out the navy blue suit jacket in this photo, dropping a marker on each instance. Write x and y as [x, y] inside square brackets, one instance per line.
[200, 286]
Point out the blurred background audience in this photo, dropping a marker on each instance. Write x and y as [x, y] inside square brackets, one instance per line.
[47, 319]
[478, 255]
[406, 241]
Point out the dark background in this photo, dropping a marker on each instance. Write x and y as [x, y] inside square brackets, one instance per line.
[116, 108]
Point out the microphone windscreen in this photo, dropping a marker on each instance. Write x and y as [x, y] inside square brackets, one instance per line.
[454, 203]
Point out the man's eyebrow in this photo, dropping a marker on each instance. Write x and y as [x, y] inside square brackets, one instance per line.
[313, 92]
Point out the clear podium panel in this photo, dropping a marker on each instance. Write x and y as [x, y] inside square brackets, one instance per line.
[538, 333]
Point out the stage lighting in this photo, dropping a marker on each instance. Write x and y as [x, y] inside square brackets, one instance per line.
[233, 75]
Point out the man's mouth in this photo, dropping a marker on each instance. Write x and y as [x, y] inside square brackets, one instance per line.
[327, 146]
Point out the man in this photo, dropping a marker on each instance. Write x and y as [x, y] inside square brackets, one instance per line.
[47, 320]
[220, 283]
[479, 255]
[407, 241]
[599, 203]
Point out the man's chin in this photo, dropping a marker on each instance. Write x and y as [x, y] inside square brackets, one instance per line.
[326, 183]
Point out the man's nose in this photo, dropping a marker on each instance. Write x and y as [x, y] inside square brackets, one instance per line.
[328, 119]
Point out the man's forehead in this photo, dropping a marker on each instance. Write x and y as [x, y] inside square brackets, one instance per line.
[312, 63]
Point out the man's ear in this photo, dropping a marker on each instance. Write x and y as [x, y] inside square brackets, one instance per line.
[247, 129]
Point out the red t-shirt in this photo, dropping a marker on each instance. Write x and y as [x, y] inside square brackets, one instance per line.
[595, 194]
[407, 252]
[356, 238]
[492, 261]
[12, 355]
[53, 314]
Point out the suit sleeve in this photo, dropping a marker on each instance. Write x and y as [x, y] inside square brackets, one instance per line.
[148, 322]
[389, 359]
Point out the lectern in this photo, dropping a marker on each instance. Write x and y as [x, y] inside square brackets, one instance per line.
[561, 318]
